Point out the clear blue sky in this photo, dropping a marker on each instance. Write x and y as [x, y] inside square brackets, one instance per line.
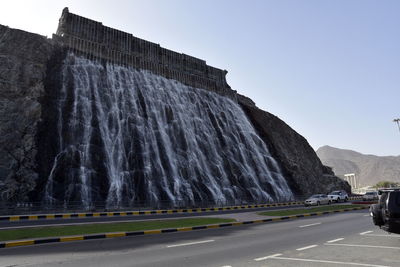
[330, 69]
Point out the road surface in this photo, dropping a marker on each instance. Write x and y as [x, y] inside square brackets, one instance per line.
[343, 239]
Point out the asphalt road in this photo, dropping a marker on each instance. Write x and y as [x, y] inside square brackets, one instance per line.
[343, 239]
[58, 221]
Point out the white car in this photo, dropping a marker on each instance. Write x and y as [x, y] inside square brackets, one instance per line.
[338, 196]
[317, 200]
[371, 196]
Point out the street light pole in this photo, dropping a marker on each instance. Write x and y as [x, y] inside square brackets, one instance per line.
[398, 122]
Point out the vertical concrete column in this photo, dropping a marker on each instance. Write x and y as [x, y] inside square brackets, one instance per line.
[118, 40]
[73, 25]
[75, 46]
[82, 50]
[78, 29]
[72, 44]
[69, 41]
[96, 34]
[103, 41]
[126, 43]
[112, 36]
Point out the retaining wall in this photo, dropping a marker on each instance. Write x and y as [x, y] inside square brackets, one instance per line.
[91, 39]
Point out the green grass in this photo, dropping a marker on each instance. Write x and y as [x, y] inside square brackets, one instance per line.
[55, 231]
[307, 210]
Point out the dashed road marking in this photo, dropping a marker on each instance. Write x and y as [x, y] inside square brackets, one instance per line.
[307, 225]
[366, 232]
[268, 257]
[396, 236]
[325, 261]
[363, 246]
[335, 240]
[367, 215]
[191, 243]
[308, 247]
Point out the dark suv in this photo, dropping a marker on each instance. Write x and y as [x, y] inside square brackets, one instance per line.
[386, 214]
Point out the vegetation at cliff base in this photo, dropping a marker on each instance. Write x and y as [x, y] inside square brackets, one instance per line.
[386, 184]
[56, 231]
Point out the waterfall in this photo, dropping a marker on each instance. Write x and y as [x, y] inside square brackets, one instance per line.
[127, 135]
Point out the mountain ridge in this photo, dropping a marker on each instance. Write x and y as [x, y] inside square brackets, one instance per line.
[368, 167]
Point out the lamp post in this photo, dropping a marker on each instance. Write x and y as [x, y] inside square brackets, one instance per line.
[398, 122]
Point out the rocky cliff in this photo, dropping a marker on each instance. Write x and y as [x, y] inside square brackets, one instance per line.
[369, 169]
[25, 86]
[304, 171]
[23, 63]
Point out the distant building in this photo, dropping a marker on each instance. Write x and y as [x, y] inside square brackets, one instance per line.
[352, 180]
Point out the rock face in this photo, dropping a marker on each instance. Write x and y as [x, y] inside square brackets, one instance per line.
[304, 171]
[28, 86]
[370, 169]
[23, 59]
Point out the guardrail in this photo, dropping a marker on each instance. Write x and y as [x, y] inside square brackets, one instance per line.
[130, 213]
[33, 208]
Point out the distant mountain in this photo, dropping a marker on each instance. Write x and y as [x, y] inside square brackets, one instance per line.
[369, 168]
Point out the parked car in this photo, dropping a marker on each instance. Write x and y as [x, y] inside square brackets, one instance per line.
[386, 214]
[370, 196]
[338, 196]
[317, 200]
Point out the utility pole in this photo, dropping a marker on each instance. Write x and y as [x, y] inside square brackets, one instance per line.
[398, 122]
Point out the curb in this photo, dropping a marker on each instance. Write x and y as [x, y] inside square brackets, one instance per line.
[162, 231]
[128, 213]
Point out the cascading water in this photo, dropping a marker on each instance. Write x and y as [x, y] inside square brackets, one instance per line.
[126, 136]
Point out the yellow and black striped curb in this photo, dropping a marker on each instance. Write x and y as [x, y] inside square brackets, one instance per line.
[146, 212]
[162, 231]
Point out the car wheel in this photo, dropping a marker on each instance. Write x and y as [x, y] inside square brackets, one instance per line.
[329, 202]
[346, 199]
[338, 200]
[376, 214]
[318, 203]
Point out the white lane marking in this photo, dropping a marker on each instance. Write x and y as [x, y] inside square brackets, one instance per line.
[361, 246]
[308, 247]
[335, 240]
[367, 232]
[397, 236]
[191, 243]
[268, 257]
[226, 266]
[307, 225]
[325, 261]
[367, 215]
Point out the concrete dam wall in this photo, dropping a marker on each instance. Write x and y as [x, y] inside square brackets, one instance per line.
[96, 115]
[95, 41]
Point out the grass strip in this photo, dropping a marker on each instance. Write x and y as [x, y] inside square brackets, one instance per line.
[55, 231]
[307, 210]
